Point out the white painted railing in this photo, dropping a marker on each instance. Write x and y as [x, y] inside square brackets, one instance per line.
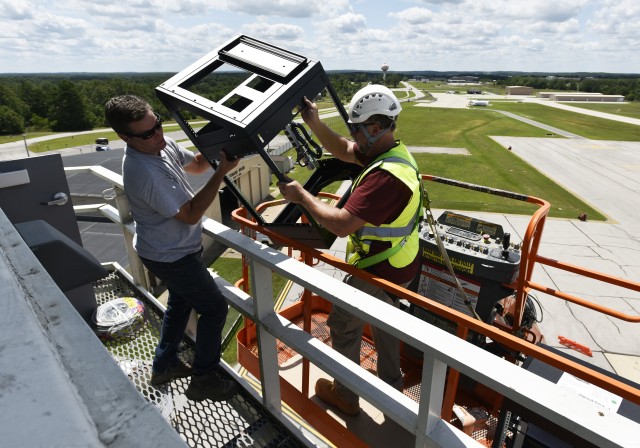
[440, 350]
[120, 214]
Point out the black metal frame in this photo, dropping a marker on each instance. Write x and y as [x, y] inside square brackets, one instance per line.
[246, 119]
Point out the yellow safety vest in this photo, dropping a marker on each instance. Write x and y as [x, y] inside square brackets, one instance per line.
[402, 232]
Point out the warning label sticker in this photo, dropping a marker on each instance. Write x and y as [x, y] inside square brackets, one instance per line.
[458, 264]
[437, 284]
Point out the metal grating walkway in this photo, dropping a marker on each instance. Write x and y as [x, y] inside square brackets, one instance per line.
[238, 422]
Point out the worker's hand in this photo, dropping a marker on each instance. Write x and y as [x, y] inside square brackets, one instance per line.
[292, 191]
[309, 112]
[227, 165]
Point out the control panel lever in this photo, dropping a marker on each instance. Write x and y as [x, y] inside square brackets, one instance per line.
[506, 240]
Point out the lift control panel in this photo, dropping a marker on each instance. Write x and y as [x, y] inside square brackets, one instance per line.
[483, 259]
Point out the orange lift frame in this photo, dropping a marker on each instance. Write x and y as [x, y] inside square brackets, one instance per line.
[501, 333]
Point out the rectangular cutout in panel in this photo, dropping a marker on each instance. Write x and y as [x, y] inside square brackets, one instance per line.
[260, 84]
[237, 103]
[217, 81]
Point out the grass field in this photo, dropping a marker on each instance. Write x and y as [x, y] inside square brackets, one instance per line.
[584, 125]
[631, 110]
[17, 138]
[489, 164]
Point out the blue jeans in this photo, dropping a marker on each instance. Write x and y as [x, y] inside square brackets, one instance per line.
[190, 287]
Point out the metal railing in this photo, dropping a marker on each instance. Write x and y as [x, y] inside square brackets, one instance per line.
[440, 349]
[121, 214]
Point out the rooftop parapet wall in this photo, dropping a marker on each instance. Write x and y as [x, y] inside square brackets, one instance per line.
[57, 380]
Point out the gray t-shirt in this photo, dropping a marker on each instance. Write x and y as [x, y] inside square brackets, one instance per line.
[157, 186]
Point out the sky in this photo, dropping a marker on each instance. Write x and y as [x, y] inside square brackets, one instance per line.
[443, 35]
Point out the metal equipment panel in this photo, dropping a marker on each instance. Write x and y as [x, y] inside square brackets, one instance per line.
[37, 190]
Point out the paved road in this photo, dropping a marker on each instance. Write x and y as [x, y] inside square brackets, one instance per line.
[605, 174]
[581, 110]
[461, 101]
[417, 93]
[17, 150]
[9, 151]
[540, 125]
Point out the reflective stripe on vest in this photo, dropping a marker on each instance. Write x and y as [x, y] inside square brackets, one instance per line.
[388, 232]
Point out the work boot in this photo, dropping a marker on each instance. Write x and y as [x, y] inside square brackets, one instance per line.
[180, 370]
[326, 391]
[213, 386]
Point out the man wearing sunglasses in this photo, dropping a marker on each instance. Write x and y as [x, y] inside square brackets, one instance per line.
[167, 214]
[380, 218]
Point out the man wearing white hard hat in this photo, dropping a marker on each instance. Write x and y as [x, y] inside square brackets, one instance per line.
[380, 218]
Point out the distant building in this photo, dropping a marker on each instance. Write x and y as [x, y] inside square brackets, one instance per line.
[519, 90]
[581, 96]
[463, 80]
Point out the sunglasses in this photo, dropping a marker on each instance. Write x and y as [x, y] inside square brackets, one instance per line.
[146, 135]
[355, 127]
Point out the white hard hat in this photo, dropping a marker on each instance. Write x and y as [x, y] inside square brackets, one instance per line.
[373, 99]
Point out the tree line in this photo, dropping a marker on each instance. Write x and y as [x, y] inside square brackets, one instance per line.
[38, 103]
[41, 103]
[74, 102]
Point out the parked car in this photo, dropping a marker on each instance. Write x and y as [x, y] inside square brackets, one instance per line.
[102, 141]
[102, 148]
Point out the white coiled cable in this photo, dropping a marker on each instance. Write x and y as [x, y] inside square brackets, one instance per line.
[118, 317]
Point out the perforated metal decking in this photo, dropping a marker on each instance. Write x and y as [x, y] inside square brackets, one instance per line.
[238, 422]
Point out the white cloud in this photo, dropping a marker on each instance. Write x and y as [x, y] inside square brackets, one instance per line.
[278, 31]
[619, 17]
[550, 10]
[570, 26]
[443, 2]
[16, 10]
[414, 15]
[168, 35]
[346, 23]
[282, 8]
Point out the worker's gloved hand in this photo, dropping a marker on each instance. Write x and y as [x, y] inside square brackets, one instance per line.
[292, 191]
[309, 112]
[227, 165]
